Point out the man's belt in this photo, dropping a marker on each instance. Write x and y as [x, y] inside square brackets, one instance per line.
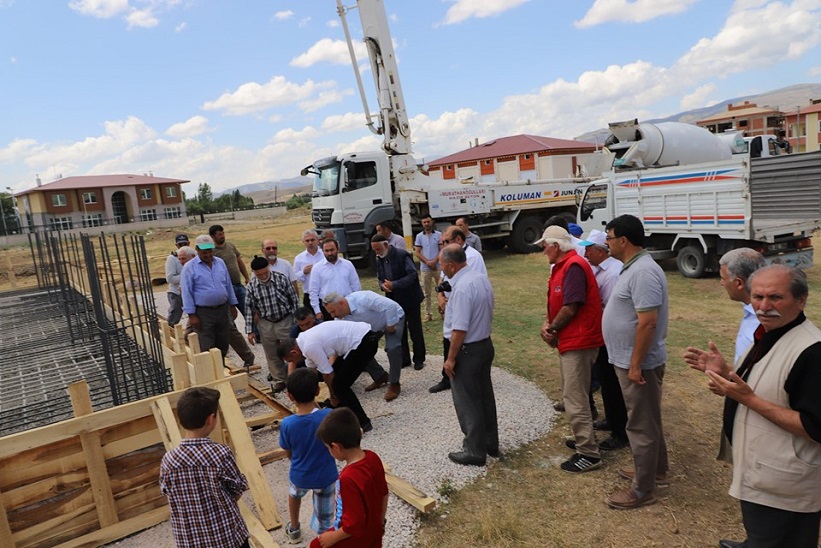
[468, 345]
[212, 307]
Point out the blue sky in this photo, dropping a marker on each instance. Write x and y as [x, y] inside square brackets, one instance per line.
[236, 92]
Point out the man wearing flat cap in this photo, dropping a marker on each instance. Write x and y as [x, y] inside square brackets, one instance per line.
[573, 325]
[173, 269]
[272, 296]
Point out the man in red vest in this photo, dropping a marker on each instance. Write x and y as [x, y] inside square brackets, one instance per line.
[573, 325]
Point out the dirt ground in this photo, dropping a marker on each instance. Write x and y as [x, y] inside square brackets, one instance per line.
[526, 500]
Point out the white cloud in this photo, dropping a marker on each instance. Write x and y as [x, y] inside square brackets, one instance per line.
[467, 9]
[290, 135]
[253, 97]
[17, 150]
[814, 71]
[196, 125]
[141, 19]
[283, 15]
[181, 27]
[627, 11]
[753, 37]
[119, 137]
[324, 98]
[344, 122]
[101, 9]
[333, 23]
[329, 51]
[697, 99]
[304, 22]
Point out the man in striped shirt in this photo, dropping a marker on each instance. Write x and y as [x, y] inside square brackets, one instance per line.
[272, 297]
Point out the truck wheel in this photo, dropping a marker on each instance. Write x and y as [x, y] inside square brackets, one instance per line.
[691, 262]
[526, 230]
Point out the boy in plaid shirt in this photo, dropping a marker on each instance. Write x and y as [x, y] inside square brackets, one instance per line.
[201, 480]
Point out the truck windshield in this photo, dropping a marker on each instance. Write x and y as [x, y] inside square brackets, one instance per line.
[327, 182]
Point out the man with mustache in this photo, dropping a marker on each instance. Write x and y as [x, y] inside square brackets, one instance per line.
[772, 414]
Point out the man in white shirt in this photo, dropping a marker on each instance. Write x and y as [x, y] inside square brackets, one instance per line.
[338, 350]
[382, 314]
[385, 228]
[334, 275]
[305, 261]
[736, 267]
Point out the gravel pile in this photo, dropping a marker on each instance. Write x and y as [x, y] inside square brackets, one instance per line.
[412, 434]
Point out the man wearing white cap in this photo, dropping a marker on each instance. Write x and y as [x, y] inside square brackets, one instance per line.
[606, 269]
[573, 325]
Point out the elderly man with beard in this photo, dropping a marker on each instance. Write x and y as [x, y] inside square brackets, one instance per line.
[772, 414]
[272, 297]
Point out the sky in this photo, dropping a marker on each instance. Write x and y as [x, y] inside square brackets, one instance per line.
[235, 92]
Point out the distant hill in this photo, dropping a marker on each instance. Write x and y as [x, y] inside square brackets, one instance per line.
[271, 191]
[784, 99]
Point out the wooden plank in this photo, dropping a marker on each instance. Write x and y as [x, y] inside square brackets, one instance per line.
[95, 461]
[263, 420]
[203, 371]
[34, 438]
[217, 363]
[260, 537]
[271, 456]
[194, 342]
[166, 423]
[408, 492]
[179, 338]
[179, 371]
[166, 333]
[6, 538]
[259, 390]
[120, 530]
[247, 459]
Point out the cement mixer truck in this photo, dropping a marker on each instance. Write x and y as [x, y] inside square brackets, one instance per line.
[698, 200]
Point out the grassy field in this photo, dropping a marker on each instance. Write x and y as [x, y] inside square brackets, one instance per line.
[526, 500]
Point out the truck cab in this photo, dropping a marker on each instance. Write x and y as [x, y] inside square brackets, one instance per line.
[351, 193]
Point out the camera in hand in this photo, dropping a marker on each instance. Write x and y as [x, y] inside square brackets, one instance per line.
[443, 287]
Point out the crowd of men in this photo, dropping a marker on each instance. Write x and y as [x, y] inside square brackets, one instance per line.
[606, 315]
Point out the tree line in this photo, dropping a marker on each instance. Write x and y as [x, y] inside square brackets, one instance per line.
[204, 201]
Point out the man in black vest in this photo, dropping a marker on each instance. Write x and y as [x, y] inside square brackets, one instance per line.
[399, 279]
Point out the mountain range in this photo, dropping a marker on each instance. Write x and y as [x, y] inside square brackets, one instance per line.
[785, 99]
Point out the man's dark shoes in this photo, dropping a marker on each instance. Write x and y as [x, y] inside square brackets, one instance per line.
[465, 458]
[559, 407]
[367, 427]
[571, 444]
[495, 453]
[601, 425]
[278, 387]
[580, 463]
[613, 443]
[378, 383]
[419, 366]
[732, 544]
[270, 377]
[439, 386]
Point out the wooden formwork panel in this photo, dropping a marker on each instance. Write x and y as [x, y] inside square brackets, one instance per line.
[87, 480]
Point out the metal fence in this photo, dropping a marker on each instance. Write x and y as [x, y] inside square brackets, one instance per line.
[92, 317]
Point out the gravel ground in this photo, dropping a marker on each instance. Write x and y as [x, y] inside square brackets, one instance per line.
[412, 434]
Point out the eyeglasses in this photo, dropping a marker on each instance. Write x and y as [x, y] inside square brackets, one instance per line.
[608, 238]
[443, 241]
[273, 248]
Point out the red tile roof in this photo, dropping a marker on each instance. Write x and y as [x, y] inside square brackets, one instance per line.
[101, 181]
[516, 144]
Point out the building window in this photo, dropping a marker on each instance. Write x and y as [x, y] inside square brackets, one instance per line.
[92, 220]
[60, 223]
[89, 197]
[170, 192]
[145, 193]
[148, 215]
[742, 123]
[173, 212]
[58, 200]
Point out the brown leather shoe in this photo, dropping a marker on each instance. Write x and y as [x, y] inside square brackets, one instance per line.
[393, 391]
[378, 383]
[628, 500]
[629, 473]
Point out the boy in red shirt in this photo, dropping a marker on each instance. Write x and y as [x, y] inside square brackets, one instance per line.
[362, 485]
